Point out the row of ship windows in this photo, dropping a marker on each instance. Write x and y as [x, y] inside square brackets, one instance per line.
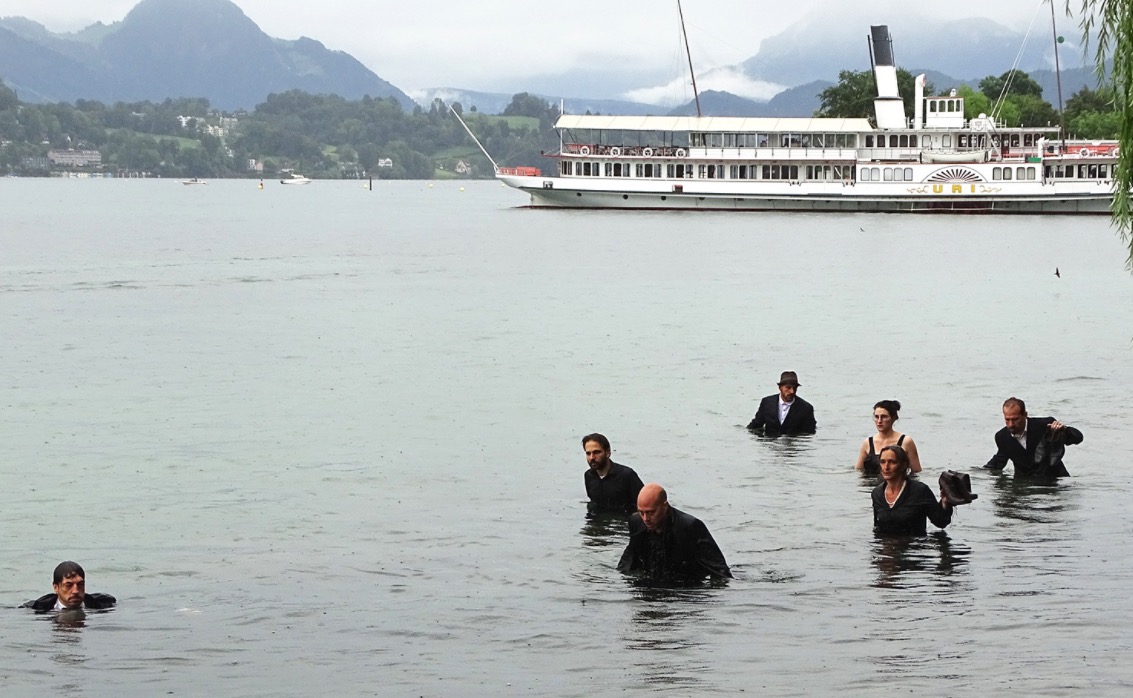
[781, 140]
[1076, 172]
[905, 174]
[850, 140]
[685, 171]
[963, 140]
[810, 172]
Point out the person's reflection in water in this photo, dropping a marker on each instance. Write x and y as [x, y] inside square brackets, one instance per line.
[664, 625]
[1031, 501]
[921, 562]
[603, 529]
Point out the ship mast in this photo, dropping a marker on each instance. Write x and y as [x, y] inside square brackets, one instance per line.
[684, 33]
[1058, 78]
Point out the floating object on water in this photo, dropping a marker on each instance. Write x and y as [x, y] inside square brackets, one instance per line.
[1056, 273]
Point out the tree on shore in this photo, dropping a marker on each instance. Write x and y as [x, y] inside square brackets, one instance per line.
[1112, 21]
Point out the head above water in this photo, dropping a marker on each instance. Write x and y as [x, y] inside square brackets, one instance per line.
[69, 584]
[597, 449]
[885, 412]
[1015, 415]
[653, 506]
[895, 464]
[788, 385]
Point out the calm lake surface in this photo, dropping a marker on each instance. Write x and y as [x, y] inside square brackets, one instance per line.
[323, 440]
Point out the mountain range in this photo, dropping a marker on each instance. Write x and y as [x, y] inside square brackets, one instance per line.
[210, 48]
[173, 48]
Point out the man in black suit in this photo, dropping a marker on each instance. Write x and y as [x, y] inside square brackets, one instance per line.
[69, 582]
[785, 413]
[1035, 445]
[669, 547]
[612, 487]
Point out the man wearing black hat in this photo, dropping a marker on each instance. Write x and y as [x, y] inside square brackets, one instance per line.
[785, 413]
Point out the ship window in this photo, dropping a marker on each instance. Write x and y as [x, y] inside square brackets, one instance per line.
[1081, 171]
[997, 173]
[1103, 172]
[1007, 174]
[887, 174]
[609, 168]
[869, 141]
[1093, 171]
[567, 167]
[946, 141]
[639, 170]
[905, 141]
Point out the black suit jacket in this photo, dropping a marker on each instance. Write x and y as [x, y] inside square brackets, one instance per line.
[691, 554]
[92, 601]
[800, 418]
[1009, 449]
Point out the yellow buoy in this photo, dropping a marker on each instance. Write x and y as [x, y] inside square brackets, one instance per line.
[462, 188]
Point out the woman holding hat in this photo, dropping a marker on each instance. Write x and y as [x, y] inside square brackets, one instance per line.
[901, 506]
[884, 416]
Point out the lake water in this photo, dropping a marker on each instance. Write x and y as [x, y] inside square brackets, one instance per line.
[323, 440]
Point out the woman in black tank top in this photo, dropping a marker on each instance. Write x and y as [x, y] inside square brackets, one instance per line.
[884, 415]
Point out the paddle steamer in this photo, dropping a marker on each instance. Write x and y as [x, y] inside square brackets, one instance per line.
[937, 161]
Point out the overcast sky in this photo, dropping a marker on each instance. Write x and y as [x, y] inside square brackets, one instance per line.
[492, 45]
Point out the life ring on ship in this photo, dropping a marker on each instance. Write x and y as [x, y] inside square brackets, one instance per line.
[584, 150]
[615, 151]
[680, 152]
[1085, 152]
[648, 152]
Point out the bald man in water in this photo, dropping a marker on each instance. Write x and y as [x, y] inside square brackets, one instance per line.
[669, 546]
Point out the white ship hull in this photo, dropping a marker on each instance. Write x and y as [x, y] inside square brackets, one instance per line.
[879, 198]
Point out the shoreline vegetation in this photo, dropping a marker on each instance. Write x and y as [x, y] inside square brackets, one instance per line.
[329, 137]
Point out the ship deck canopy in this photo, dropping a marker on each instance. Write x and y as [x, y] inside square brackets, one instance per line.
[713, 124]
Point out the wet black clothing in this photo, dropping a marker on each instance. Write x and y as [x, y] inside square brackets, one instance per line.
[872, 463]
[683, 552]
[616, 492]
[907, 515]
[91, 601]
[1025, 461]
[799, 419]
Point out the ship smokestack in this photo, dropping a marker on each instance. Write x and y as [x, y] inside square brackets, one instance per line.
[888, 106]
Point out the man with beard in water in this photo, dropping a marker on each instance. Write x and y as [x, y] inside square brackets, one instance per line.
[69, 582]
[1035, 445]
[668, 546]
[612, 487]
